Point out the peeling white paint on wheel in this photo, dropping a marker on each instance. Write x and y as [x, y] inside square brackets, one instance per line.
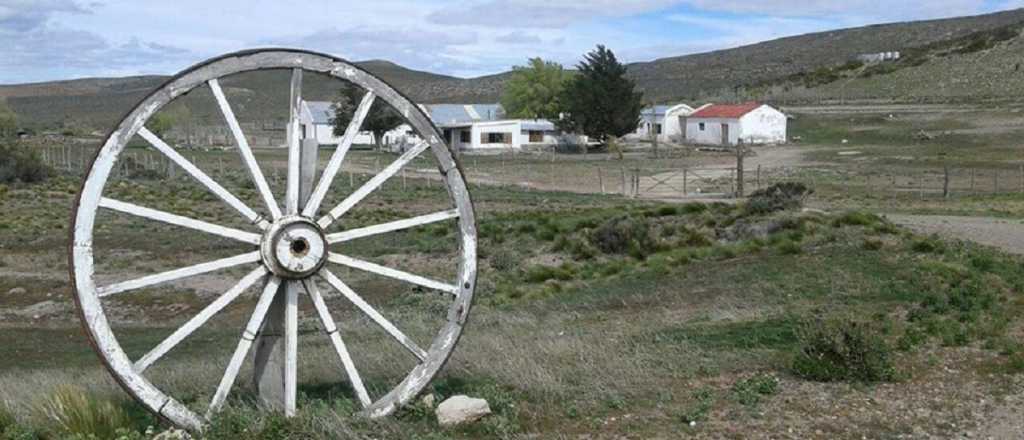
[81, 257]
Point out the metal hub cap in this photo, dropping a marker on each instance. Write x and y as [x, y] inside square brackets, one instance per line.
[294, 248]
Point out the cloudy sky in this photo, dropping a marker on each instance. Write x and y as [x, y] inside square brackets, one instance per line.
[43, 40]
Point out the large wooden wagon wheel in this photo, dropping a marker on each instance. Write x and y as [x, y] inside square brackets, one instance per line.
[290, 243]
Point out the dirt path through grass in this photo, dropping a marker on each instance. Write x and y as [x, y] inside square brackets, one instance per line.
[1002, 233]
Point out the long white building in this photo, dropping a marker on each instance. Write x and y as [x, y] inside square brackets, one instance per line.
[466, 127]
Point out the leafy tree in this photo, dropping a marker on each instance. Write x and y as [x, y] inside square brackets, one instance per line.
[8, 121]
[381, 119]
[600, 101]
[534, 91]
[160, 124]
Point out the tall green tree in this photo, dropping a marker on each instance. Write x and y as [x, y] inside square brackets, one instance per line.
[381, 119]
[534, 91]
[8, 121]
[600, 101]
[160, 123]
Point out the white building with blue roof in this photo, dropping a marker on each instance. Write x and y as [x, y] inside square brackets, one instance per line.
[466, 127]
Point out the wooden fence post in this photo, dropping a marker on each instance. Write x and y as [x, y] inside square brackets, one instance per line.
[684, 181]
[758, 177]
[972, 181]
[600, 180]
[995, 181]
[623, 169]
[739, 169]
[945, 182]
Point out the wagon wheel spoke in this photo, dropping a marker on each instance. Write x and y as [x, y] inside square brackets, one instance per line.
[294, 138]
[352, 234]
[177, 220]
[374, 315]
[372, 185]
[367, 266]
[185, 272]
[244, 150]
[317, 197]
[248, 336]
[199, 319]
[291, 345]
[339, 346]
[203, 178]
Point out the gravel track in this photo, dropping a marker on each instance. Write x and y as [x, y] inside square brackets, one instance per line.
[1002, 233]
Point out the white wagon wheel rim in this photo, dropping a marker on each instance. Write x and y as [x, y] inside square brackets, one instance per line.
[267, 261]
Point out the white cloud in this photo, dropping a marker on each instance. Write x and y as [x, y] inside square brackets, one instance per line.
[35, 48]
[541, 13]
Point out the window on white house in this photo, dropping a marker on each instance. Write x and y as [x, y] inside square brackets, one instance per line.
[701, 126]
[657, 128]
[497, 138]
[465, 136]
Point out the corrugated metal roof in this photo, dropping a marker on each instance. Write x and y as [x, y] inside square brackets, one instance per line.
[447, 114]
[729, 111]
[321, 111]
[538, 125]
[658, 112]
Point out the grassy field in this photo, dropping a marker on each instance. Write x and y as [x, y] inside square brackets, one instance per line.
[596, 316]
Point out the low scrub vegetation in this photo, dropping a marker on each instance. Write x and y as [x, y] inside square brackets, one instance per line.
[843, 350]
[21, 164]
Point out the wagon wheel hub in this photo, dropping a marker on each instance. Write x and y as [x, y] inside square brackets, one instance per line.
[294, 247]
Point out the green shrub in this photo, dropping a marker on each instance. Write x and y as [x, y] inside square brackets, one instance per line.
[703, 400]
[625, 235]
[788, 247]
[70, 412]
[750, 391]
[843, 350]
[856, 218]
[540, 274]
[504, 259]
[872, 245]
[21, 164]
[7, 419]
[778, 197]
[693, 208]
[929, 245]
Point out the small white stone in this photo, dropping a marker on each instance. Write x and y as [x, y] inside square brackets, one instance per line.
[17, 291]
[428, 400]
[460, 409]
[174, 434]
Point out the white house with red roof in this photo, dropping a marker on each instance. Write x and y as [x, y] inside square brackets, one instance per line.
[728, 124]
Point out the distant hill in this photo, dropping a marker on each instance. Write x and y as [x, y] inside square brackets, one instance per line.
[956, 58]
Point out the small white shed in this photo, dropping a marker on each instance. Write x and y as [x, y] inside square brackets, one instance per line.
[728, 124]
[667, 121]
[316, 116]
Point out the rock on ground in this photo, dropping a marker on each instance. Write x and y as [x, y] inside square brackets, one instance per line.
[17, 291]
[460, 409]
[174, 434]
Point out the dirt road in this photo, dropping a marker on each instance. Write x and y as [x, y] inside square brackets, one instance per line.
[1006, 234]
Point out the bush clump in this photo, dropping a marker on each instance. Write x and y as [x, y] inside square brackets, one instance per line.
[750, 391]
[778, 197]
[70, 412]
[20, 164]
[625, 235]
[843, 350]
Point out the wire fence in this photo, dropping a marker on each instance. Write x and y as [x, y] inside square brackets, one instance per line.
[655, 178]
